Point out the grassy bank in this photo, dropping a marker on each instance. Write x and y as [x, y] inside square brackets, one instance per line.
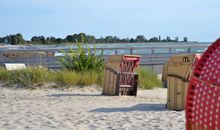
[30, 76]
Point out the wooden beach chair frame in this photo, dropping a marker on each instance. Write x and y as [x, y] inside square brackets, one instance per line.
[120, 78]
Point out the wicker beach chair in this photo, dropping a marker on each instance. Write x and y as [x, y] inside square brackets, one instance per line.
[176, 73]
[120, 78]
[203, 95]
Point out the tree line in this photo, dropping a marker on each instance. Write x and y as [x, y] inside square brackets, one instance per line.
[17, 39]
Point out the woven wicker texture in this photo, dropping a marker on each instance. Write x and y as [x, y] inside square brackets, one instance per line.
[128, 65]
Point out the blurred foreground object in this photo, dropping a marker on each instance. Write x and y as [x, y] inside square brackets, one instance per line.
[203, 95]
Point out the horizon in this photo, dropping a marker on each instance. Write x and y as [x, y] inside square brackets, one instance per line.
[199, 21]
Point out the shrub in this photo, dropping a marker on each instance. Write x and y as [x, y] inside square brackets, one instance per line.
[82, 60]
[147, 79]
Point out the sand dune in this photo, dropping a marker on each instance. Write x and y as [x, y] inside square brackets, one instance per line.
[86, 109]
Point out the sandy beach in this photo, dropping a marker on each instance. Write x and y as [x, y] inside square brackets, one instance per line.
[86, 109]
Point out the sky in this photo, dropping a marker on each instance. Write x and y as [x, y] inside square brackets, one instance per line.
[199, 20]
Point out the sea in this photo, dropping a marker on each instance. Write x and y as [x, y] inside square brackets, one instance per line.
[120, 48]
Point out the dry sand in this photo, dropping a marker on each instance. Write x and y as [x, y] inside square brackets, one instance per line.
[86, 109]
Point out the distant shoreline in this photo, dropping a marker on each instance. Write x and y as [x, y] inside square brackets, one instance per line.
[73, 43]
[17, 39]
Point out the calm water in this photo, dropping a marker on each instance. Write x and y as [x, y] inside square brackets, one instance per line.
[117, 45]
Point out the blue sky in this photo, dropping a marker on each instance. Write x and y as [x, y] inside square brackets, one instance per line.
[197, 19]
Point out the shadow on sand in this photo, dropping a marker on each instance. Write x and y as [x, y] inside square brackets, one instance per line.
[75, 94]
[139, 107]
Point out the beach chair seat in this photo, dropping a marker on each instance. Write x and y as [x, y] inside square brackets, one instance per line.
[125, 89]
[128, 87]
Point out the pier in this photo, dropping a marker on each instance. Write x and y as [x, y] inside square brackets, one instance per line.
[151, 56]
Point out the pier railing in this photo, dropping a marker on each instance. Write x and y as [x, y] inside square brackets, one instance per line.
[150, 55]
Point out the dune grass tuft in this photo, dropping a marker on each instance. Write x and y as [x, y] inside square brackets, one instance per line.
[66, 77]
[147, 79]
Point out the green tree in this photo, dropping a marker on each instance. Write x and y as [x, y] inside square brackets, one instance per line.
[125, 40]
[100, 40]
[140, 38]
[91, 39]
[168, 39]
[75, 37]
[185, 39]
[82, 38]
[16, 39]
[109, 39]
[70, 38]
[132, 40]
[112, 39]
[59, 40]
[38, 40]
[116, 39]
[154, 39]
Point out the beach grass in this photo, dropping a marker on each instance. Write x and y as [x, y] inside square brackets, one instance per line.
[33, 75]
[147, 78]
